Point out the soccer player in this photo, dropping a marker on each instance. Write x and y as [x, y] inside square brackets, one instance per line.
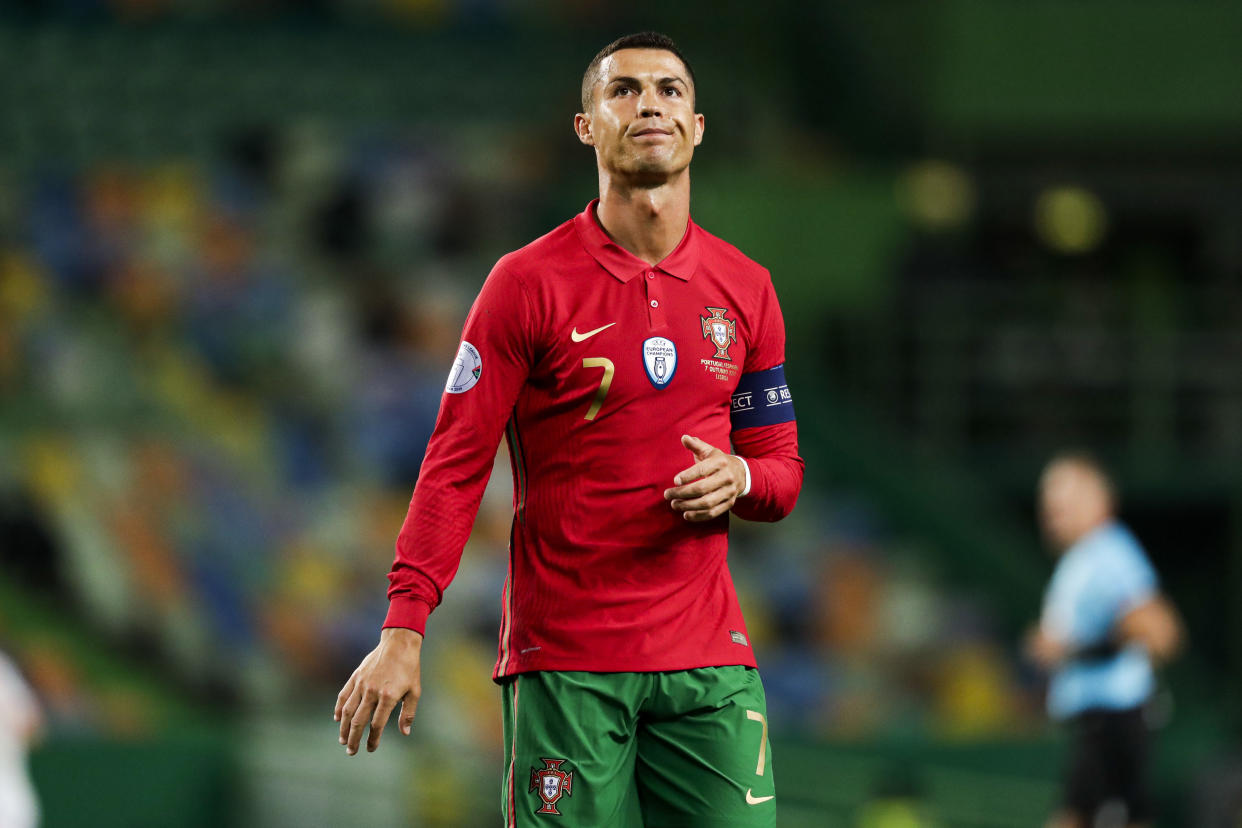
[1103, 626]
[21, 722]
[621, 355]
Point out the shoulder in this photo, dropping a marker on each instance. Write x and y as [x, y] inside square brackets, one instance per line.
[1115, 541]
[1116, 553]
[529, 262]
[718, 253]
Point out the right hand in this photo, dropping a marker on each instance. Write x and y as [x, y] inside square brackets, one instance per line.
[389, 674]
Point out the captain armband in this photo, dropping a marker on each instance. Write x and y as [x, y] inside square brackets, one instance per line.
[762, 398]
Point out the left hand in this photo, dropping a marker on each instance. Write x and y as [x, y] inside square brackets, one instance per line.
[711, 486]
[1044, 650]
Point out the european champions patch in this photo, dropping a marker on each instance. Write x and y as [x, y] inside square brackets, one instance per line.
[659, 360]
[466, 370]
[762, 398]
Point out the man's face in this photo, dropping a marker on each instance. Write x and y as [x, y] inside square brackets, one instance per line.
[1073, 500]
[642, 121]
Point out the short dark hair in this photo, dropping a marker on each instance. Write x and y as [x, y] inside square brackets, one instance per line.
[641, 40]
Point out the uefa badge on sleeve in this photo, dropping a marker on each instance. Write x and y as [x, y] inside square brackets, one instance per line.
[466, 370]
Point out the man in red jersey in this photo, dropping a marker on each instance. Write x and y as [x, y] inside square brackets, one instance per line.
[618, 354]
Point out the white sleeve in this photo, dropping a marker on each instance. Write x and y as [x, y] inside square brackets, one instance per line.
[745, 465]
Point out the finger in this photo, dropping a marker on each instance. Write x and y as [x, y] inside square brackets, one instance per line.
[718, 488]
[385, 703]
[342, 696]
[712, 513]
[699, 470]
[696, 489]
[695, 472]
[700, 504]
[407, 712]
[358, 722]
[347, 712]
[715, 481]
[700, 448]
[706, 504]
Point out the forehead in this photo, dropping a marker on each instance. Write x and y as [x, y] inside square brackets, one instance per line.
[642, 63]
[1068, 476]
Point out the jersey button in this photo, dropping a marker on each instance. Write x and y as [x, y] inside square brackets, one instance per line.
[655, 304]
[650, 274]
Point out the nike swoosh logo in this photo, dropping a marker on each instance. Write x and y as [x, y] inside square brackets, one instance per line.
[751, 799]
[579, 337]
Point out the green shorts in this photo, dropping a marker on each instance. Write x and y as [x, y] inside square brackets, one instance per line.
[684, 749]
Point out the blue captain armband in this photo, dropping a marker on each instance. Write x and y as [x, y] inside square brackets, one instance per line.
[762, 398]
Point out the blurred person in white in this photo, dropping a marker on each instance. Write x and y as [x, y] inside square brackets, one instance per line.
[21, 722]
[1104, 626]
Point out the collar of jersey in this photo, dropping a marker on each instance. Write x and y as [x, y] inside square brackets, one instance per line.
[623, 264]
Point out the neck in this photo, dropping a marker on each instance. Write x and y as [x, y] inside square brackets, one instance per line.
[1090, 528]
[648, 221]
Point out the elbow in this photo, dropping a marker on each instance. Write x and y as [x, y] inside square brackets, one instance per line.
[1169, 634]
[1159, 631]
[789, 499]
[1167, 643]
[769, 510]
[783, 509]
[777, 484]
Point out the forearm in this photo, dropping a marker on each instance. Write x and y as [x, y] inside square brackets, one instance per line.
[776, 471]
[1156, 626]
[473, 411]
[436, 527]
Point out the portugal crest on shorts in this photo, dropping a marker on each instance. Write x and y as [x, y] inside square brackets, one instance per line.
[720, 331]
[551, 783]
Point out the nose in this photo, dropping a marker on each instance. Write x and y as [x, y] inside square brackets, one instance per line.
[649, 104]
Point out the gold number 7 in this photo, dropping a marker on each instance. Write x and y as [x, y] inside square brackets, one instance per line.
[604, 385]
[756, 716]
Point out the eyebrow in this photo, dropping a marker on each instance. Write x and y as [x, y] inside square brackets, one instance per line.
[636, 82]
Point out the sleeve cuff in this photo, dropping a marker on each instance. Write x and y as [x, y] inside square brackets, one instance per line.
[745, 465]
[407, 612]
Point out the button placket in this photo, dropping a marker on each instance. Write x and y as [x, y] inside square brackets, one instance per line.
[655, 300]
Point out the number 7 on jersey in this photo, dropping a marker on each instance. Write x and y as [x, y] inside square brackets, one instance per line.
[604, 385]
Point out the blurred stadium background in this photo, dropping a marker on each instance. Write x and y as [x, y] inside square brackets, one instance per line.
[237, 242]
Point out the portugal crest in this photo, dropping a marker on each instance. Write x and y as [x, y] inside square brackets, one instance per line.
[720, 331]
[552, 783]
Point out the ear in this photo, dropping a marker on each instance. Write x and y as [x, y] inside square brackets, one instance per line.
[699, 126]
[582, 126]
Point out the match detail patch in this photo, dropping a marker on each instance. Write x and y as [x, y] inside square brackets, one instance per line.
[762, 398]
[466, 370]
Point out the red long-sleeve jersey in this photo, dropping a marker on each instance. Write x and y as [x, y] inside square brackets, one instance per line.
[594, 364]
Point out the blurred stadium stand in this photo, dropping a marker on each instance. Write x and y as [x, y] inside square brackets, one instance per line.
[237, 242]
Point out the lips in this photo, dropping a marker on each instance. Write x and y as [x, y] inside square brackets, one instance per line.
[653, 131]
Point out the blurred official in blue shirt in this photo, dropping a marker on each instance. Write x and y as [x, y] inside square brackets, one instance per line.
[1104, 627]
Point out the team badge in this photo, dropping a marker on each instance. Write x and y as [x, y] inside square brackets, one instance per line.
[720, 331]
[552, 783]
[466, 370]
[660, 360]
